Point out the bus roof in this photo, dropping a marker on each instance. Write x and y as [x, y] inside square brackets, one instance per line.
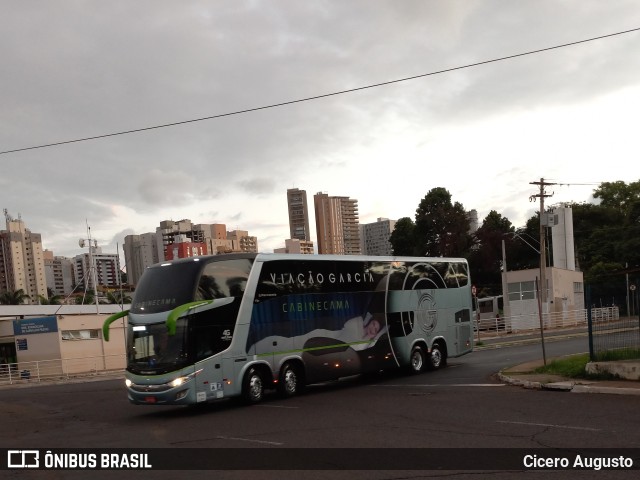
[268, 257]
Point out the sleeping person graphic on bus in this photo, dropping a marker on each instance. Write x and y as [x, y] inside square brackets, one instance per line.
[359, 333]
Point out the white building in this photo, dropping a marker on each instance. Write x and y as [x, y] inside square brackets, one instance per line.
[374, 237]
[564, 286]
[59, 274]
[107, 269]
[140, 252]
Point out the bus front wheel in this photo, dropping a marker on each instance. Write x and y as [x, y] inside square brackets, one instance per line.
[253, 386]
[417, 360]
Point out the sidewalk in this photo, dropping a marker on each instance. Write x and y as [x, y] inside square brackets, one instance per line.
[522, 375]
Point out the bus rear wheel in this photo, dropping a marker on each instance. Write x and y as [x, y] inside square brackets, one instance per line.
[290, 381]
[437, 358]
[417, 360]
[253, 386]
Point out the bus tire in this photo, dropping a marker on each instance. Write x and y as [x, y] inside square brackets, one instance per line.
[253, 386]
[437, 358]
[417, 359]
[290, 382]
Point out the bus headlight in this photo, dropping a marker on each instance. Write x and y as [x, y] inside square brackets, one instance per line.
[128, 382]
[179, 381]
[182, 380]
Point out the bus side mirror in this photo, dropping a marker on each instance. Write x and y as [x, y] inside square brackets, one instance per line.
[109, 321]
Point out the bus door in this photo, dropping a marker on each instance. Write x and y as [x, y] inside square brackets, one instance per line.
[463, 322]
[212, 330]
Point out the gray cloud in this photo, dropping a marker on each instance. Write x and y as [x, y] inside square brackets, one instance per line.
[82, 69]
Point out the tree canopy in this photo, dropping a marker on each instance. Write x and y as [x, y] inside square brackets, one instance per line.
[606, 239]
[17, 297]
[441, 228]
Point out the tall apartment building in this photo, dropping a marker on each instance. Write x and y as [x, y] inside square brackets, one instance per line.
[168, 229]
[59, 274]
[374, 237]
[241, 241]
[293, 245]
[140, 252]
[299, 240]
[107, 268]
[21, 260]
[214, 236]
[472, 216]
[337, 225]
[298, 214]
[183, 247]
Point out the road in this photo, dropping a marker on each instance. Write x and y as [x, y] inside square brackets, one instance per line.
[462, 406]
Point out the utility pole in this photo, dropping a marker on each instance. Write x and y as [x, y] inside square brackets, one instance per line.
[543, 250]
[542, 287]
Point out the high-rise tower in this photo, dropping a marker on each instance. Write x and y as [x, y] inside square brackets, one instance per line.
[298, 214]
[337, 225]
[21, 260]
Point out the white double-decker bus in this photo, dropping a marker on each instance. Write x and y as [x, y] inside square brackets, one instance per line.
[214, 327]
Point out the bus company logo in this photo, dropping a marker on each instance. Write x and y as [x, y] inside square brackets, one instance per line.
[23, 459]
[317, 278]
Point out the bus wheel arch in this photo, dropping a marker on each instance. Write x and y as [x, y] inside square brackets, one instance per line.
[254, 384]
[438, 355]
[291, 380]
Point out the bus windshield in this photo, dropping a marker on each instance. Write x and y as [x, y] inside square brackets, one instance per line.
[153, 350]
[165, 287]
[201, 333]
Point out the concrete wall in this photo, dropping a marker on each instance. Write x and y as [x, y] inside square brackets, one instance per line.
[63, 343]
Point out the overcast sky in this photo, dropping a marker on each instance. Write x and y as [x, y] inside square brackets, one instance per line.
[76, 69]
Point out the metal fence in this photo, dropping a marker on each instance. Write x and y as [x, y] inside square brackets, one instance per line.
[614, 340]
[554, 320]
[63, 369]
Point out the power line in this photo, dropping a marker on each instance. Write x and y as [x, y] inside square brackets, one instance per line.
[317, 97]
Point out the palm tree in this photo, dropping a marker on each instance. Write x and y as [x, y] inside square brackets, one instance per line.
[52, 300]
[86, 299]
[118, 298]
[16, 297]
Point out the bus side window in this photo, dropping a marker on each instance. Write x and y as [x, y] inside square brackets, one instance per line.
[223, 279]
[208, 289]
[214, 329]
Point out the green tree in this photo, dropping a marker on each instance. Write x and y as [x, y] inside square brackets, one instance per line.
[485, 259]
[86, 299]
[441, 228]
[403, 237]
[16, 297]
[618, 195]
[51, 300]
[523, 253]
[118, 298]
[607, 240]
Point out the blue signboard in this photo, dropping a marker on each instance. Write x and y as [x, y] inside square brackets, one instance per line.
[30, 326]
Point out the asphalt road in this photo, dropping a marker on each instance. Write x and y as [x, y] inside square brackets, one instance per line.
[460, 407]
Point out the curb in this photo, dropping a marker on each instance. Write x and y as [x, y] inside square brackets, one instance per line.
[566, 386]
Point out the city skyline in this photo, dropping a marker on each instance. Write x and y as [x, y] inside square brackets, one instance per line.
[381, 102]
